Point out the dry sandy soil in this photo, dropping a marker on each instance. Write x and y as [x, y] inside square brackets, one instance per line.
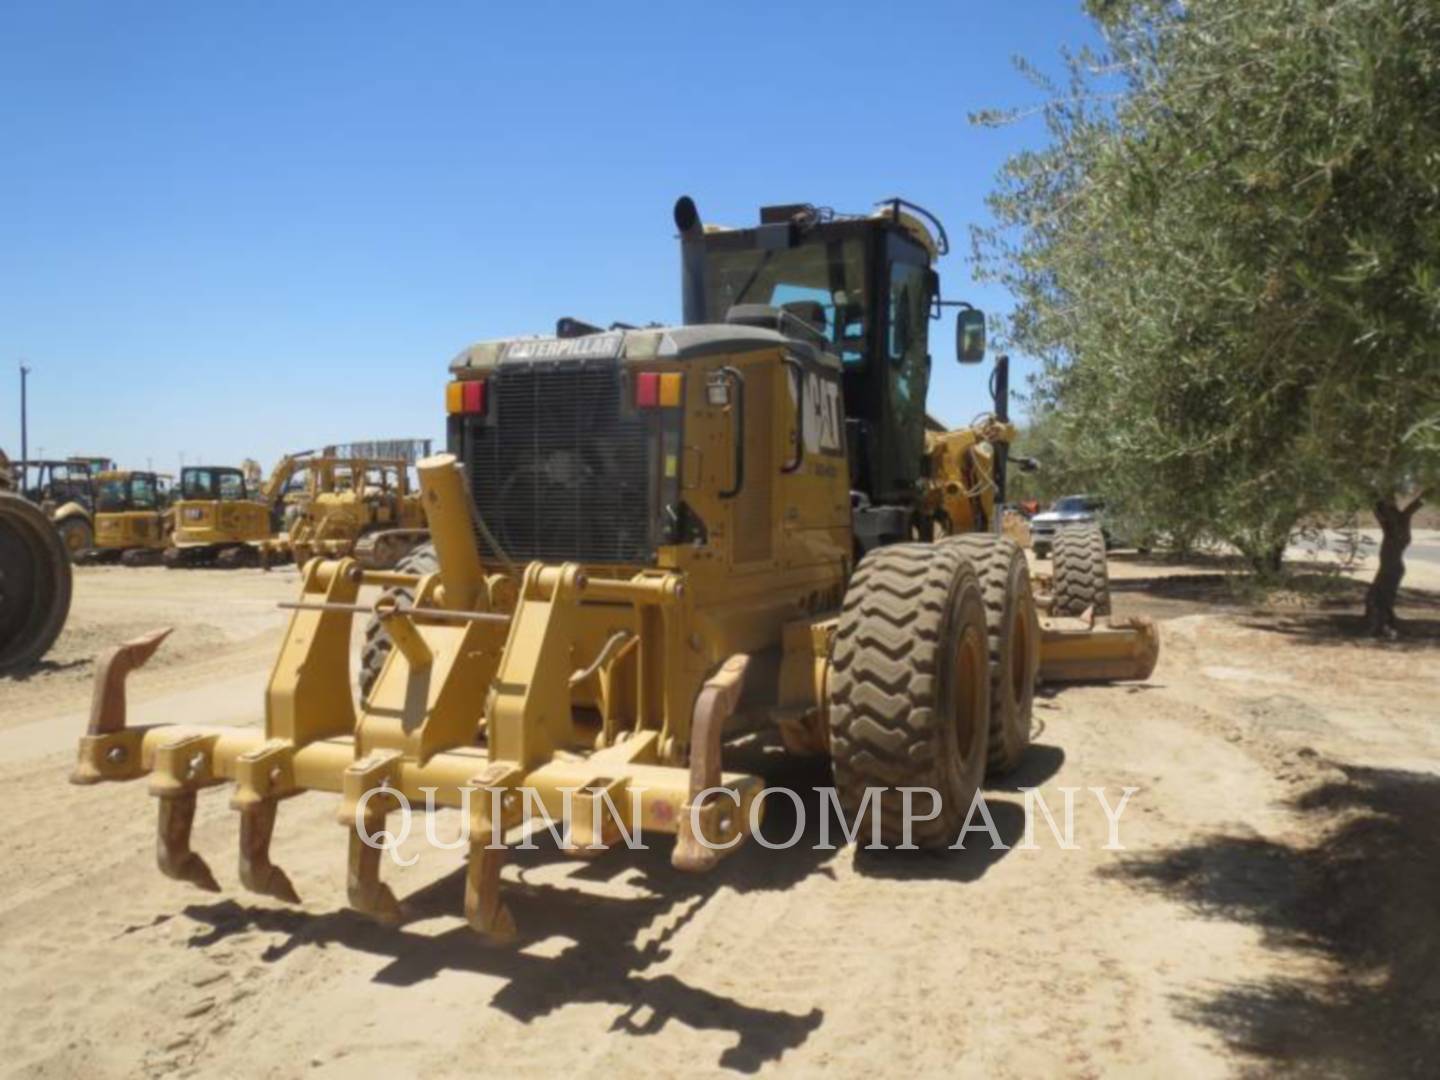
[1274, 909]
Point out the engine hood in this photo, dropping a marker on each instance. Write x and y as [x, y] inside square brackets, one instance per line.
[673, 343]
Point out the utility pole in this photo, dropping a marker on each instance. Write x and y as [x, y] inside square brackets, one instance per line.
[24, 428]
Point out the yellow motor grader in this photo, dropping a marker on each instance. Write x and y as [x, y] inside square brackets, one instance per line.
[132, 518]
[218, 519]
[645, 542]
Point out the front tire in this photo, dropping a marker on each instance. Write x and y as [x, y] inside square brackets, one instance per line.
[1081, 578]
[909, 689]
[77, 536]
[421, 561]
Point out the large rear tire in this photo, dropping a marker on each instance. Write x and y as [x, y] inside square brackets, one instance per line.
[909, 689]
[35, 583]
[1081, 578]
[422, 560]
[1013, 636]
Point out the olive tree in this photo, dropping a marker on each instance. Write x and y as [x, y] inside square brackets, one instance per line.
[1228, 258]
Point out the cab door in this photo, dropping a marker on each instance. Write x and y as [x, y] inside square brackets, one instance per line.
[905, 356]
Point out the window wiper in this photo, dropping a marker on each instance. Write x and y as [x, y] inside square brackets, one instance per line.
[750, 281]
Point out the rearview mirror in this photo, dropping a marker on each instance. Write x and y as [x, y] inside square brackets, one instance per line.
[970, 335]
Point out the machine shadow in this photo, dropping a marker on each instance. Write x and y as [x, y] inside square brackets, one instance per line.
[612, 942]
[967, 864]
[47, 667]
[970, 863]
[1363, 898]
[1040, 763]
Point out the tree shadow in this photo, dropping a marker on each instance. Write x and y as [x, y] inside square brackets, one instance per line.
[1349, 629]
[612, 941]
[1163, 557]
[1208, 589]
[1365, 899]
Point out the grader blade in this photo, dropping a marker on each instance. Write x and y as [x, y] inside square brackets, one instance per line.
[473, 709]
[1079, 650]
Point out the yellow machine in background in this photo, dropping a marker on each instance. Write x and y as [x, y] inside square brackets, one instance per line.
[132, 518]
[218, 522]
[646, 542]
[360, 506]
[64, 489]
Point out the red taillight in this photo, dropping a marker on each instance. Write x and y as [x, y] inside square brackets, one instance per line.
[465, 397]
[654, 390]
[472, 397]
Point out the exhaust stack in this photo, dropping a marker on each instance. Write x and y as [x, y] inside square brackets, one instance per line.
[692, 259]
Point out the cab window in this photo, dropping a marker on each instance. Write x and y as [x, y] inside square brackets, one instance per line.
[143, 495]
[110, 499]
[907, 320]
[197, 484]
[232, 486]
[823, 284]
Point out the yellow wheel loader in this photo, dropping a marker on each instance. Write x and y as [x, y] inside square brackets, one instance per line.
[35, 581]
[132, 518]
[218, 521]
[645, 543]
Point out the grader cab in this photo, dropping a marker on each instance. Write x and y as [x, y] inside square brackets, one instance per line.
[645, 542]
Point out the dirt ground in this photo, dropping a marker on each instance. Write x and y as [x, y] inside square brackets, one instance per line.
[1274, 908]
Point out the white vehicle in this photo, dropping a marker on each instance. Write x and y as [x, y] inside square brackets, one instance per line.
[1067, 510]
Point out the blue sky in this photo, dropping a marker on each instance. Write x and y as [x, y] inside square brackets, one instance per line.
[233, 229]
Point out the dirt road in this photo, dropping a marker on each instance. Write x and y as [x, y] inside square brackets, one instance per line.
[1273, 909]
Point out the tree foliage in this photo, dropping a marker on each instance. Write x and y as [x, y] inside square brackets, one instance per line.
[1228, 258]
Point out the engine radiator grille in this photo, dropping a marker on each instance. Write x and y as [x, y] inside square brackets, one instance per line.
[560, 470]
